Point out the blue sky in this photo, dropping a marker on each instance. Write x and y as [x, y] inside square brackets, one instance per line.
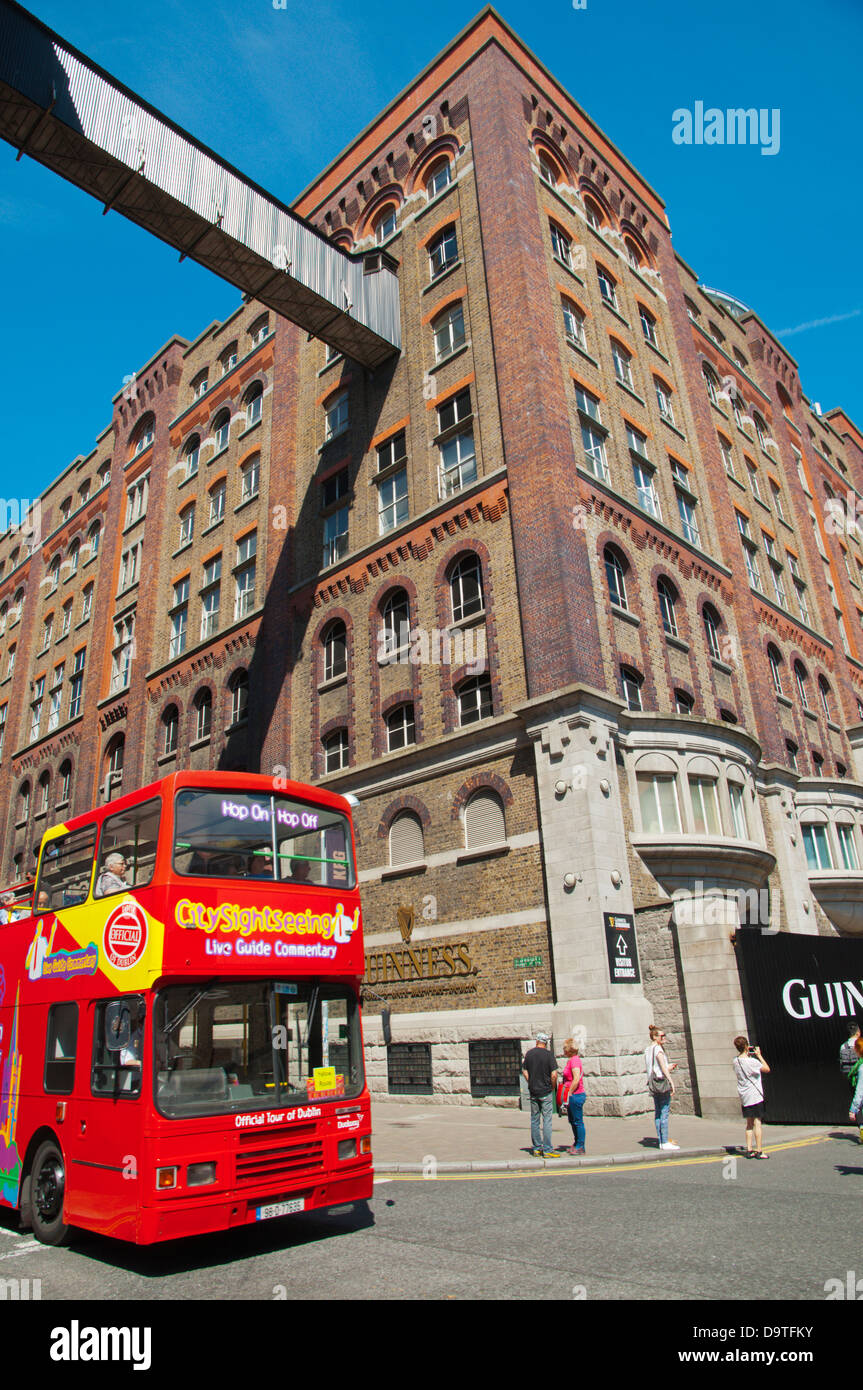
[87, 299]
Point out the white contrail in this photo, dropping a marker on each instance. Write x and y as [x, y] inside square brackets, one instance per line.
[817, 323]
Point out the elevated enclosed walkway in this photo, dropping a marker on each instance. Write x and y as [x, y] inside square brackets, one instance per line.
[62, 110]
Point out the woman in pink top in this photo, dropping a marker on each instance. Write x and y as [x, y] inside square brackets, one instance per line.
[573, 1075]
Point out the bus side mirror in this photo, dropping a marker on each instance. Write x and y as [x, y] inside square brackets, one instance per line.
[385, 1025]
[118, 1025]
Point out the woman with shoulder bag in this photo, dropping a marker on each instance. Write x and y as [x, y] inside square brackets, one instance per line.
[574, 1094]
[660, 1084]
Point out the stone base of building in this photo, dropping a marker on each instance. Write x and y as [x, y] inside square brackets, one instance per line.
[612, 1035]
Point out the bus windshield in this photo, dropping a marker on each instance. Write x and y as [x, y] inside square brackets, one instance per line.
[255, 836]
[235, 1046]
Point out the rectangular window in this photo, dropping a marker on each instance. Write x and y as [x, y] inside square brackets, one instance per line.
[244, 575]
[61, 1042]
[56, 697]
[36, 707]
[136, 500]
[336, 417]
[688, 523]
[495, 1067]
[594, 451]
[65, 869]
[738, 811]
[443, 252]
[587, 404]
[179, 618]
[334, 488]
[187, 525]
[393, 501]
[817, 847]
[335, 536]
[392, 452]
[76, 684]
[129, 837]
[637, 443]
[845, 835]
[251, 478]
[217, 503]
[211, 597]
[453, 411]
[118, 1047]
[657, 799]
[705, 806]
[409, 1069]
[457, 464]
[645, 488]
[122, 652]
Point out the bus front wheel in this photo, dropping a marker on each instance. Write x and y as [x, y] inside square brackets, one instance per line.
[47, 1193]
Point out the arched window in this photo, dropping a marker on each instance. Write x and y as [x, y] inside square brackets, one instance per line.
[475, 700]
[253, 402]
[203, 714]
[465, 587]
[826, 697]
[104, 474]
[594, 213]
[259, 330]
[191, 455]
[631, 682]
[439, 178]
[406, 839]
[401, 727]
[775, 659]
[615, 572]
[239, 688]
[484, 820]
[64, 783]
[760, 429]
[23, 802]
[228, 359]
[667, 595]
[170, 729]
[548, 170]
[386, 224]
[449, 331]
[712, 629]
[54, 574]
[114, 759]
[335, 644]
[94, 537]
[394, 637]
[73, 557]
[222, 430]
[143, 435]
[711, 381]
[633, 253]
[336, 750]
[801, 678]
[44, 793]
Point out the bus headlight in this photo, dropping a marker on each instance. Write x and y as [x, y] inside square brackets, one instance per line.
[347, 1148]
[199, 1174]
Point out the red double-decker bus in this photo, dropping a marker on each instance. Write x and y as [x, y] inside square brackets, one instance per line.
[180, 1036]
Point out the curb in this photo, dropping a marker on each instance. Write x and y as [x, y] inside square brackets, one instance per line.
[533, 1165]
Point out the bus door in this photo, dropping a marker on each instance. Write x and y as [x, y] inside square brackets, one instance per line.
[105, 1151]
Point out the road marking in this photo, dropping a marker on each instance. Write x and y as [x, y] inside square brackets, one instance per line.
[611, 1168]
[23, 1249]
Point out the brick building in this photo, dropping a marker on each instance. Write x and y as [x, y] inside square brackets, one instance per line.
[564, 594]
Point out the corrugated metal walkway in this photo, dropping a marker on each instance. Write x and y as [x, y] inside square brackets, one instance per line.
[62, 110]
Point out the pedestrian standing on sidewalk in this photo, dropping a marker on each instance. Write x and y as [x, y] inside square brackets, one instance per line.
[856, 1111]
[539, 1069]
[749, 1066]
[660, 1084]
[573, 1075]
[849, 1062]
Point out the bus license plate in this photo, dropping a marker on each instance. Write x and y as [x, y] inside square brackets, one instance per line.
[280, 1209]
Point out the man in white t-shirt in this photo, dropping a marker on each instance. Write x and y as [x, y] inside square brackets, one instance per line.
[749, 1066]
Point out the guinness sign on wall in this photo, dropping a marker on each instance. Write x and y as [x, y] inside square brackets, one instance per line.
[802, 995]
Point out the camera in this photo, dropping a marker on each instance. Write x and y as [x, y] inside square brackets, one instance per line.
[751, 1050]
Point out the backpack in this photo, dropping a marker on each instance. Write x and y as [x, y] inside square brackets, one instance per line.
[848, 1060]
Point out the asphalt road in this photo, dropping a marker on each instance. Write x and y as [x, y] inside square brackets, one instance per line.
[689, 1229]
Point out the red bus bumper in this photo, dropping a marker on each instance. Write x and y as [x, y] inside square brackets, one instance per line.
[170, 1218]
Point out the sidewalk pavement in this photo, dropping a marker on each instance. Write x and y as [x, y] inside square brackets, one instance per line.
[468, 1138]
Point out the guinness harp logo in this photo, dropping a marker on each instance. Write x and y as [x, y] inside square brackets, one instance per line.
[406, 922]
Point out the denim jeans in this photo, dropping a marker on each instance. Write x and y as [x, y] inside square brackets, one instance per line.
[541, 1110]
[661, 1107]
[576, 1118]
